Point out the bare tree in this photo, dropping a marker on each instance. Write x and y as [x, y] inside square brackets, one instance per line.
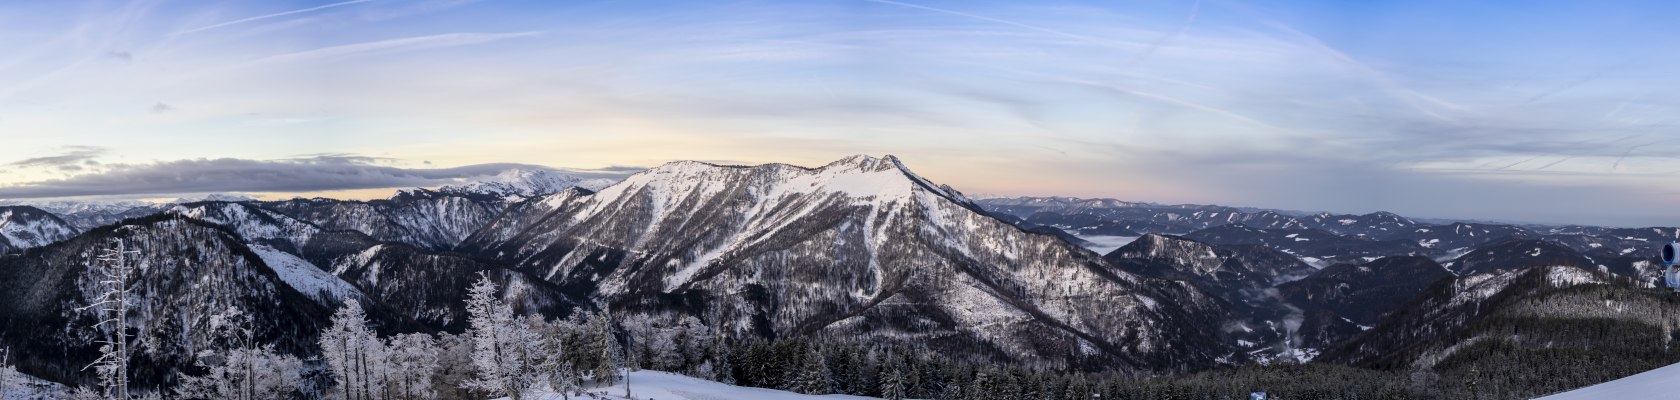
[113, 273]
[6, 371]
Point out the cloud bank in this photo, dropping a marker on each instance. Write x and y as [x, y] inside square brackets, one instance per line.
[297, 175]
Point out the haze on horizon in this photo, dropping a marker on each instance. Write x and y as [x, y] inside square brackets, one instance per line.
[1555, 112]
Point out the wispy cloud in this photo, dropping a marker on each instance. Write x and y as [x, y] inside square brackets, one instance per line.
[395, 45]
[269, 16]
[1030, 27]
[1195, 9]
[73, 157]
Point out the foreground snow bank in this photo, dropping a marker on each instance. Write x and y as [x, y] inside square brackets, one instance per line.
[668, 386]
[24, 387]
[1659, 383]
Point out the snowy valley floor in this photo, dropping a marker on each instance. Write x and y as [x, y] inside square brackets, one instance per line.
[668, 386]
[1659, 383]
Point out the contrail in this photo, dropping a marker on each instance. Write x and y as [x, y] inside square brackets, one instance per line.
[1559, 161]
[416, 42]
[1618, 165]
[1195, 9]
[1001, 21]
[263, 17]
[1417, 100]
[1566, 86]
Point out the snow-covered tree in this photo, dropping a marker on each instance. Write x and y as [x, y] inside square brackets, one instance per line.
[895, 379]
[8, 373]
[693, 342]
[353, 354]
[244, 374]
[502, 363]
[722, 361]
[240, 368]
[455, 366]
[85, 393]
[113, 273]
[558, 338]
[605, 348]
[814, 376]
[412, 360]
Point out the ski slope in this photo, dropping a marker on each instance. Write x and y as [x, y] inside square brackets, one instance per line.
[658, 385]
[1658, 383]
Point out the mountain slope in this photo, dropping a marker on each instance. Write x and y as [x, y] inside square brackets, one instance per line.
[1232, 267]
[189, 271]
[1097, 216]
[1377, 225]
[418, 288]
[427, 219]
[1511, 253]
[1311, 245]
[860, 246]
[23, 227]
[1365, 293]
[1522, 333]
[1242, 276]
[85, 215]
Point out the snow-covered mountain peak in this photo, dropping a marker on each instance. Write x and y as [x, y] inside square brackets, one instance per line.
[866, 162]
[232, 198]
[829, 244]
[526, 182]
[63, 207]
[863, 178]
[250, 222]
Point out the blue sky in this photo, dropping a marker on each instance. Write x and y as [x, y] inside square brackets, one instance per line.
[1527, 111]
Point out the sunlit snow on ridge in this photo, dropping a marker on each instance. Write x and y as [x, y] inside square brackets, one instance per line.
[1103, 244]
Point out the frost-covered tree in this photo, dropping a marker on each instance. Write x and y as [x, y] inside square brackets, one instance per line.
[240, 368]
[353, 353]
[244, 374]
[113, 273]
[722, 361]
[895, 379]
[502, 362]
[8, 373]
[85, 393]
[815, 377]
[412, 360]
[559, 337]
[455, 366]
[605, 348]
[693, 343]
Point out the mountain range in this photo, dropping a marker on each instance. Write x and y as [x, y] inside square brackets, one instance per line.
[861, 248]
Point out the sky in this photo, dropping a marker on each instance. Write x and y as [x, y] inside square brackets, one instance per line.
[1532, 111]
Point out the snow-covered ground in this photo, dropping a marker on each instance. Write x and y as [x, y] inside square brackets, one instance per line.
[1103, 244]
[668, 386]
[25, 387]
[1658, 383]
[308, 279]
